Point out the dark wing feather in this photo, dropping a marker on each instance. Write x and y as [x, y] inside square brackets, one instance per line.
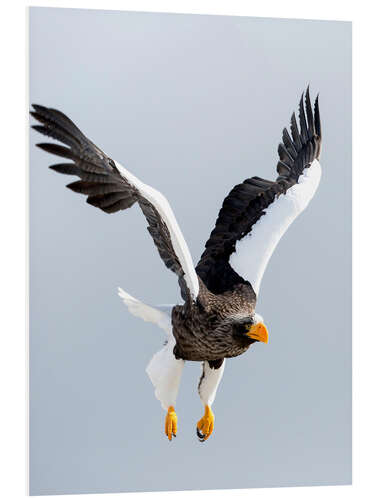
[247, 202]
[101, 180]
[302, 121]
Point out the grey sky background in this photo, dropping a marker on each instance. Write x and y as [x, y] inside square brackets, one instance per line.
[192, 105]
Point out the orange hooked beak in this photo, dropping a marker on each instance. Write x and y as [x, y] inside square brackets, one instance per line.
[259, 332]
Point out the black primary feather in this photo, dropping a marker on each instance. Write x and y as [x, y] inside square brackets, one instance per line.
[302, 122]
[310, 115]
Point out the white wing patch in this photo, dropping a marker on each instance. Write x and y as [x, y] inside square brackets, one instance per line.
[254, 251]
[178, 241]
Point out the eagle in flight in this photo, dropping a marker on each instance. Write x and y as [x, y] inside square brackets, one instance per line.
[217, 319]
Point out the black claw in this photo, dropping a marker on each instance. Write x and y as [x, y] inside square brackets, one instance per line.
[200, 436]
[173, 434]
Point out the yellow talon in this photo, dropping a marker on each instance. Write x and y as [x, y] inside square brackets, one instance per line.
[205, 424]
[171, 423]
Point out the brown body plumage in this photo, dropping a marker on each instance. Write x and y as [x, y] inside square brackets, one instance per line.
[204, 330]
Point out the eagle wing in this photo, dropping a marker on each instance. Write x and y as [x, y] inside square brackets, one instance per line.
[111, 188]
[257, 212]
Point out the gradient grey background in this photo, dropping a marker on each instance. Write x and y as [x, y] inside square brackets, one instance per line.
[192, 105]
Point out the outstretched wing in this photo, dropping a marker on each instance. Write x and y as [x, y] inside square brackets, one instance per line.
[111, 188]
[256, 213]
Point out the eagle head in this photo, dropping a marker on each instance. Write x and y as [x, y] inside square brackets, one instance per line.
[249, 329]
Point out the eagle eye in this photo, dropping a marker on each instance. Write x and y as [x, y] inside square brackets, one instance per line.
[243, 328]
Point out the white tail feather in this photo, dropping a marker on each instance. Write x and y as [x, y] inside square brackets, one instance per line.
[148, 313]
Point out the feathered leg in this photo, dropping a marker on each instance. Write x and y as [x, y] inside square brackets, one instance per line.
[207, 387]
[164, 369]
[165, 373]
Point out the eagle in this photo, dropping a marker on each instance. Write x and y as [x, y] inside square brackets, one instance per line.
[217, 318]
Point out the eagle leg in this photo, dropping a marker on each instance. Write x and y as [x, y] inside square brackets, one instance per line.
[171, 423]
[212, 371]
[205, 424]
